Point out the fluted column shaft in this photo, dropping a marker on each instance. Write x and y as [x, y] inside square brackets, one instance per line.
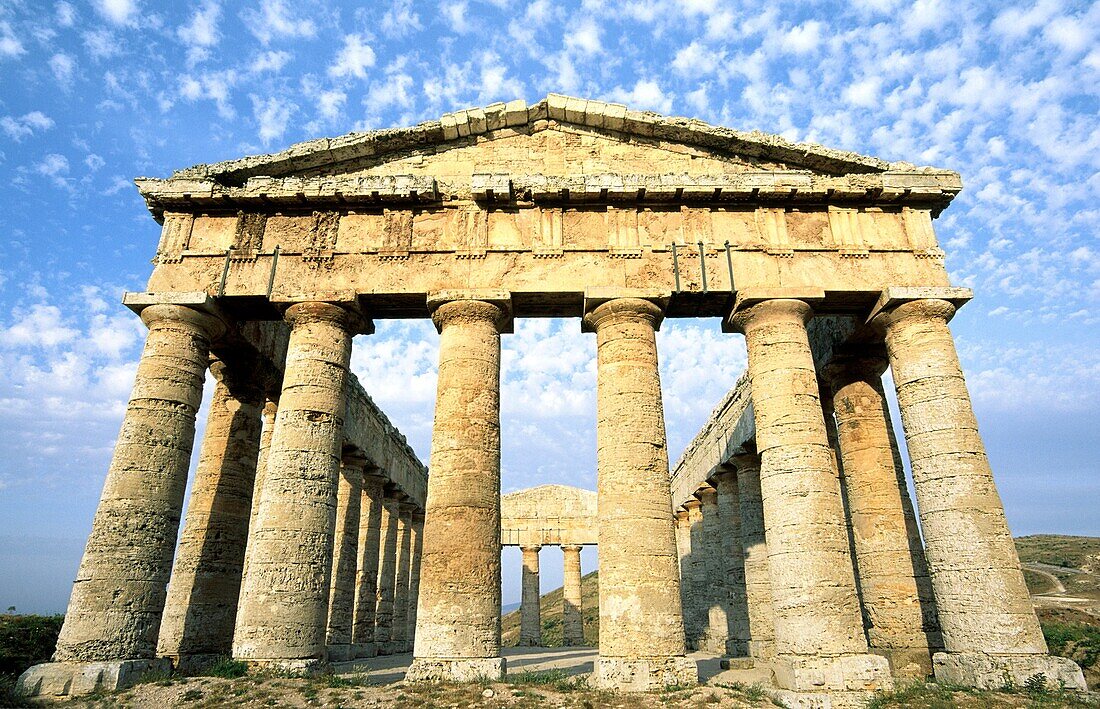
[201, 607]
[899, 611]
[817, 612]
[983, 604]
[284, 603]
[366, 584]
[458, 612]
[731, 570]
[641, 621]
[387, 576]
[116, 604]
[345, 543]
[530, 617]
[758, 588]
[400, 634]
[572, 620]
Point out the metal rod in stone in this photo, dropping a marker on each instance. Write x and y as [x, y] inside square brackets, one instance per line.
[225, 272]
[703, 265]
[274, 265]
[676, 267]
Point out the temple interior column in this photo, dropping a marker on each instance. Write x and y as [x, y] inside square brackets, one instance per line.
[530, 618]
[399, 636]
[417, 544]
[458, 613]
[990, 631]
[641, 621]
[572, 619]
[115, 609]
[731, 569]
[899, 611]
[758, 589]
[201, 607]
[387, 575]
[366, 583]
[284, 601]
[819, 639]
[345, 543]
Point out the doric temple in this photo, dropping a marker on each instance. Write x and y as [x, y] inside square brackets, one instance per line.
[784, 539]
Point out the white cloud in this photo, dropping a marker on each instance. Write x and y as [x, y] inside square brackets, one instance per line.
[646, 94]
[353, 59]
[272, 114]
[20, 127]
[10, 46]
[400, 19]
[119, 12]
[62, 66]
[274, 20]
[270, 61]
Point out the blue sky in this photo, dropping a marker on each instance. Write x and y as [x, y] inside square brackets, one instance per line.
[94, 94]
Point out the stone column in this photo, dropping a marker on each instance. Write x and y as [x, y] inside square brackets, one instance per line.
[118, 598]
[572, 619]
[400, 633]
[641, 621]
[530, 616]
[387, 576]
[990, 632]
[366, 584]
[417, 543]
[819, 639]
[458, 612]
[694, 582]
[345, 543]
[758, 588]
[899, 613]
[201, 609]
[284, 602]
[731, 570]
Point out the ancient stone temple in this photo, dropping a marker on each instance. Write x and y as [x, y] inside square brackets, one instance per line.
[313, 534]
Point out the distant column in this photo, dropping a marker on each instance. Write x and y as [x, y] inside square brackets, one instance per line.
[201, 609]
[758, 588]
[819, 637]
[417, 536]
[458, 615]
[990, 632]
[366, 584]
[641, 620]
[897, 599]
[118, 598]
[345, 545]
[530, 617]
[572, 618]
[284, 601]
[400, 633]
[731, 557]
[387, 576]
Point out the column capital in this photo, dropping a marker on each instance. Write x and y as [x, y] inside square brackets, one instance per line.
[620, 309]
[345, 316]
[753, 312]
[210, 326]
[454, 306]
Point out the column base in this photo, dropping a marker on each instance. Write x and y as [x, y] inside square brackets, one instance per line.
[975, 669]
[841, 673]
[909, 663]
[73, 679]
[644, 674]
[466, 669]
[364, 650]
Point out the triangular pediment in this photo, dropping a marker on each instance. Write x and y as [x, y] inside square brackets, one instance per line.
[557, 136]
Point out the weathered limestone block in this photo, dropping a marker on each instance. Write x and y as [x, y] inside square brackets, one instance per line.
[530, 620]
[572, 621]
[758, 590]
[345, 542]
[458, 612]
[416, 532]
[899, 611]
[284, 601]
[734, 633]
[817, 613]
[399, 637]
[366, 584]
[201, 608]
[641, 621]
[118, 598]
[989, 627]
[387, 576]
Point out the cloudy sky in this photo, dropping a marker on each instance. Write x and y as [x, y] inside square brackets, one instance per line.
[93, 94]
